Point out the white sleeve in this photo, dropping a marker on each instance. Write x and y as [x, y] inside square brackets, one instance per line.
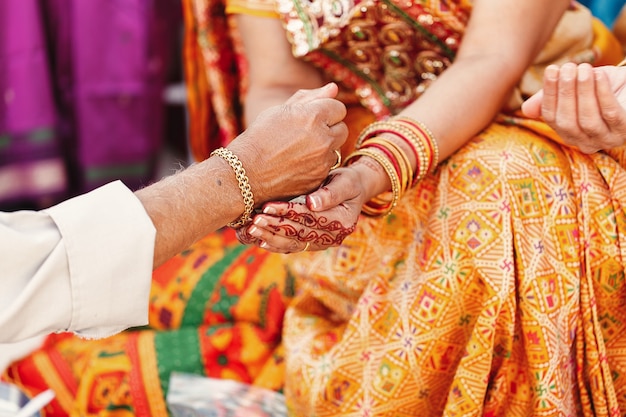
[84, 266]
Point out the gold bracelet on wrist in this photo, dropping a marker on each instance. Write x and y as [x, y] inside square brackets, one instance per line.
[379, 206]
[397, 157]
[244, 186]
[413, 132]
[427, 137]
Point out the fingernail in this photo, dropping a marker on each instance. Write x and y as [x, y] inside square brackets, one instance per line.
[552, 71]
[263, 245]
[254, 231]
[269, 210]
[260, 221]
[585, 72]
[315, 202]
[569, 70]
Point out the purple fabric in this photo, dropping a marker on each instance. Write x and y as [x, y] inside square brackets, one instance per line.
[92, 73]
[24, 73]
[29, 139]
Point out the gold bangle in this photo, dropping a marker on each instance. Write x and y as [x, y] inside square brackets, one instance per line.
[244, 186]
[430, 139]
[387, 206]
[401, 160]
[414, 132]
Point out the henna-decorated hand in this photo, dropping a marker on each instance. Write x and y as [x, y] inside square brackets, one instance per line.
[324, 220]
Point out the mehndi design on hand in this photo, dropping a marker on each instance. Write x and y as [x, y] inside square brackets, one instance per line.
[322, 232]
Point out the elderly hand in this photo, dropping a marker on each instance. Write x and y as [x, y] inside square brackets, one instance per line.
[328, 216]
[289, 149]
[584, 105]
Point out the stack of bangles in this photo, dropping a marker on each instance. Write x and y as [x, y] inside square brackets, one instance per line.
[394, 160]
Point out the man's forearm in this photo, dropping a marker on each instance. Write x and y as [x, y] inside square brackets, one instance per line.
[190, 204]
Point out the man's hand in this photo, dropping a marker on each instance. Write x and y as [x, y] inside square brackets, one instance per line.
[288, 150]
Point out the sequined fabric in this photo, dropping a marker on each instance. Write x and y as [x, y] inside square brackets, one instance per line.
[387, 52]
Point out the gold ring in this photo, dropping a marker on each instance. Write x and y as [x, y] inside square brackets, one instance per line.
[306, 247]
[338, 163]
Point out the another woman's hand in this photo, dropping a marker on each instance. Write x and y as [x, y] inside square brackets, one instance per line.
[584, 105]
[327, 217]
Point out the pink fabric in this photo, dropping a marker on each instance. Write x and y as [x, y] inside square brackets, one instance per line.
[82, 83]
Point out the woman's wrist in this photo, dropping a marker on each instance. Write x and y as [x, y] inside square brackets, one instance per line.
[374, 179]
[405, 149]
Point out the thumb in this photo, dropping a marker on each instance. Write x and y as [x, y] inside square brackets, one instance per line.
[330, 90]
[333, 192]
[532, 107]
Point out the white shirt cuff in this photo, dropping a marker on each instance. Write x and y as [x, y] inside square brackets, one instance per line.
[109, 241]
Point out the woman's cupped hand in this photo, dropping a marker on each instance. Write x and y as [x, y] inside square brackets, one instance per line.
[316, 221]
[586, 106]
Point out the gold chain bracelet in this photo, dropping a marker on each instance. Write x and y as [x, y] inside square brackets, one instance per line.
[244, 186]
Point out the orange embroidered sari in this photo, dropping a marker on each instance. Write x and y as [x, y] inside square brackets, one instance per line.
[494, 287]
